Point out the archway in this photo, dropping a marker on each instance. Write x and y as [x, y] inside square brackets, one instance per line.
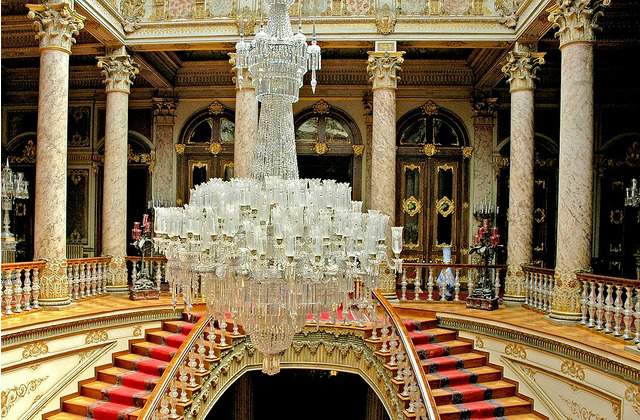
[432, 177]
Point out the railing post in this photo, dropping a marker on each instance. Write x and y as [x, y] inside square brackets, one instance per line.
[26, 290]
[430, 285]
[608, 309]
[628, 312]
[8, 291]
[584, 302]
[17, 290]
[617, 317]
[592, 304]
[456, 286]
[416, 288]
[403, 285]
[35, 288]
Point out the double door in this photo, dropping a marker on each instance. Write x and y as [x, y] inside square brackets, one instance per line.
[431, 205]
[200, 167]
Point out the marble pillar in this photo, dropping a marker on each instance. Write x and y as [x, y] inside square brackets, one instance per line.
[575, 21]
[56, 24]
[246, 124]
[520, 69]
[164, 182]
[382, 68]
[118, 70]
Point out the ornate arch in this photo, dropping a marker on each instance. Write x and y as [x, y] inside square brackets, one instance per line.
[426, 116]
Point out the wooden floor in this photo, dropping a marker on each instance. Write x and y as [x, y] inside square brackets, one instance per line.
[88, 306]
[526, 320]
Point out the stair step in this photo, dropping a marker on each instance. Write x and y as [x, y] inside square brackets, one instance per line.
[420, 324]
[458, 361]
[473, 392]
[432, 335]
[527, 416]
[65, 416]
[183, 327]
[459, 377]
[485, 409]
[426, 351]
[153, 350]
[78, 405]
[132, 361]
[168, 338]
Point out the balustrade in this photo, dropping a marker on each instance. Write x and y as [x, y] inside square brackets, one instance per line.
[20, 286]
[153, 267]
[538, 286]
[419, 281]
[87, 277]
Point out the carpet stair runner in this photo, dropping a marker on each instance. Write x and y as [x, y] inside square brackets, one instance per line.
[463, 383]
[120, 390]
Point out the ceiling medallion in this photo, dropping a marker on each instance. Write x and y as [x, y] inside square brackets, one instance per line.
[215, 148]
[429, 108]
[429, 149]
[320, 148]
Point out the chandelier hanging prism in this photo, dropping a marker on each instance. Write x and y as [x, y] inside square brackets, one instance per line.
[273, 252]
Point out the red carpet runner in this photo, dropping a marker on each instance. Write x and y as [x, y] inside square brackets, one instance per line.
[119, 390]
[464, 385]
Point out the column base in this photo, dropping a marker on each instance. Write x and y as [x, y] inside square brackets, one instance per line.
[391, 296]
[118, 289]
[513, 299]
[565, 317]
[54, 303]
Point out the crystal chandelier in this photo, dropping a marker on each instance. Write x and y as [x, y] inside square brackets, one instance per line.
[277, 60]
[632, 198]
[273, 252]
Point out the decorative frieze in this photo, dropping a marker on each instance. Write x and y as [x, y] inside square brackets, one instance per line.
[576, 20]
[521, 67]
[118, 70]
[56, 24]
[383, 68]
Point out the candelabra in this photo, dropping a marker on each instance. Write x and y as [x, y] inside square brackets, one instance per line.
[143, 287]
[632, 198]
[486, 244]
[14, 187]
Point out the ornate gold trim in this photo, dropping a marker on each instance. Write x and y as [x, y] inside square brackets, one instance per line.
[320, 148]
[358, 149]
[215, 148]
[445, 206]
[321, 107]
[429, 108]
[429, 149]
[16, 392]
[467, 152]
[572, 369]
[216, 108]
[180, 148]
[411, 206]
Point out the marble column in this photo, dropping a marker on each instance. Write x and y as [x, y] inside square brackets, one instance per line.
[575, 21]
[520, 69]
[118, 70]
[246, 124]
[382, 68]
[56, 24]
[164, 182]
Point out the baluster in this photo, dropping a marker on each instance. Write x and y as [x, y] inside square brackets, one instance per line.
[544, 292]
[470, 280]
[81, 281]
[385, 334]
[552, 285]
[183, 384]
[393, 348]
[592, 304]
[401, 362]
[539, 291]
[88, 280]
[608, 309]
[628, 312]
[223, 330]
[201, 353]
[416, 287]
[600, 306]
[442, 289]
[94, 279]
[374, 322]
[26, 290]
[403, 285]
[430, 286]
[496, 281]
[584, 302]
[163, 411]
[17, 290]
[618, 311]
[158, 276]
[134, 271]
[413, 395]
[636, 316]
[75, 281]
[212, 340]
[99, 278]
[70, 280]
[528, 289]
[192, 368]
[406, 378]
[8, 291]
[456, 286]
[173, 399]
[35, 288]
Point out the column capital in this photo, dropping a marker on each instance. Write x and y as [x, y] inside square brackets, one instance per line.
[576, 20]
[382, 67]
[55, 24]
[484, 108]
[244, 82]
[164, 110]
[118, 70]
[521, 67]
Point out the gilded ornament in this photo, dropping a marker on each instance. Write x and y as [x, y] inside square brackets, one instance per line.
[632, 394]
[216, 108]
[515, 350]
[576, 20]
[215, 148]
[137, 331]
[429, 149]
[573, 369]
[580, 412]
[28, 154]
[467, 152]
[15, 393]
[521, 67]
[35, 349]
[55, 24]
[429, 108]
[246, 21]
[411, 206]
[97, 336]
[385, 20]
[539, 215]
[358, 149]
[382, 68]
[180, 148]
[320, 148]
[137, 157]
[119, 71]
[321, 107]
[479, 342]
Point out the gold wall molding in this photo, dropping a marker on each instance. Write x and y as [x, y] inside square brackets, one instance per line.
[10, 396]
[573, 369]
[35, 349]
[586, 357]
[96, 336]
[632, 394]
[515, 350]
[580, 412]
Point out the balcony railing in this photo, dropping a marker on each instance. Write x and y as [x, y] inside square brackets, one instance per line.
[87, 277]
[153, 267]
[21, 286]
[419, 281]
[538, 286]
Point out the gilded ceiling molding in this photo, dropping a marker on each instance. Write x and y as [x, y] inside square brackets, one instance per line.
[576, 20]
[56, 24]
[385, 20]
[383, 68]
[523, 62]
[118, 70]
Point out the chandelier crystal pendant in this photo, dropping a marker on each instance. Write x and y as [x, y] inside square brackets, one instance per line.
[273, 252]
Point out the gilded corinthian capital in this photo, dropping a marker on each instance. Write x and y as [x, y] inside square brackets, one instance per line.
[118, 70]
[56, 24]
[576, 20]
[521, 67]
[383, 67]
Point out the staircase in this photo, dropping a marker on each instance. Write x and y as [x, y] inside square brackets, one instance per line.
[120, 389]
[464, 384]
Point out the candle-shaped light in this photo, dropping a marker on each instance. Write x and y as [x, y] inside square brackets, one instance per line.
[396, 239]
